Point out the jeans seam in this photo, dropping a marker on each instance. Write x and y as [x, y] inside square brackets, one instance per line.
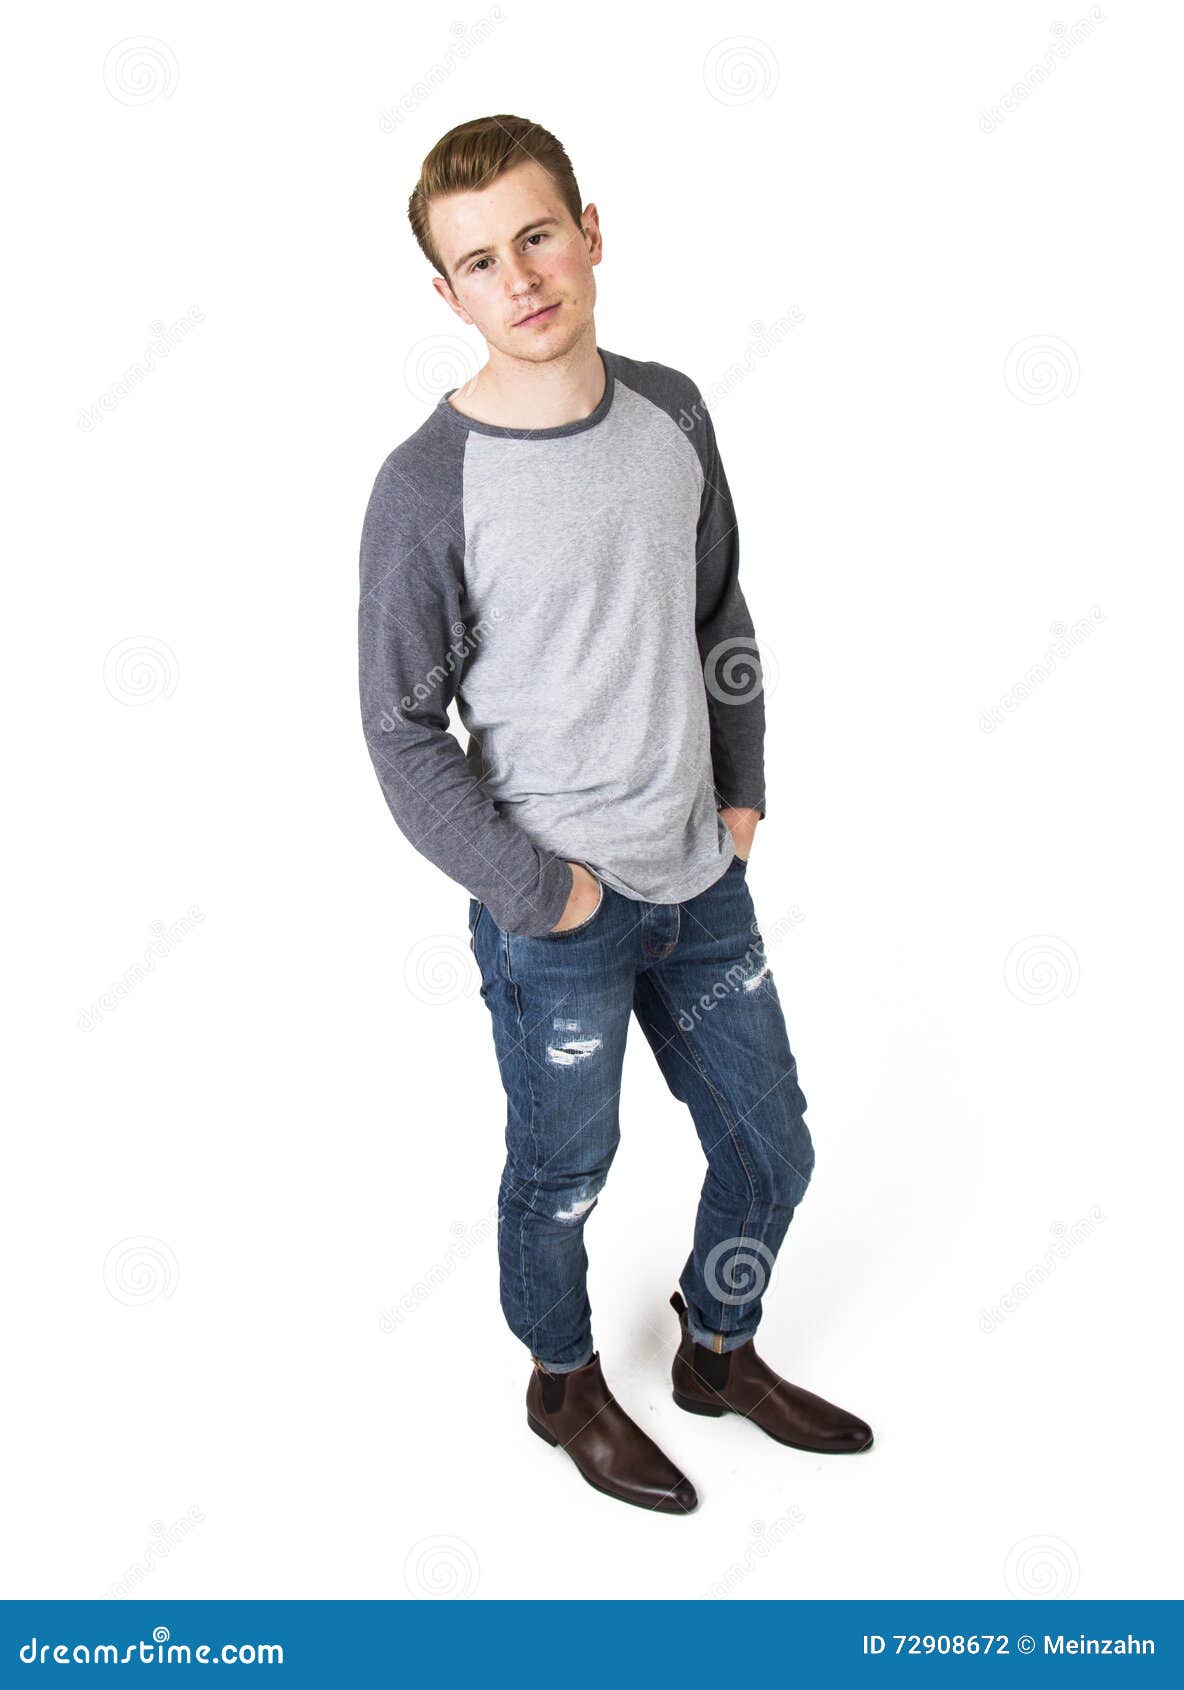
[735, 1142]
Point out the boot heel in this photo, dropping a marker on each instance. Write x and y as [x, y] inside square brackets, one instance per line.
[541, 1430]
[694, 1407]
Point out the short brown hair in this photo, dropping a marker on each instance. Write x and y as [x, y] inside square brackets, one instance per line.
[472, 155]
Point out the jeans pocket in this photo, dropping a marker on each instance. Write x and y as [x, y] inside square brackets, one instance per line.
[570, 932]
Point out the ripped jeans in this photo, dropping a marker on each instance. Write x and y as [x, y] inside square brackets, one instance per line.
[696, 977]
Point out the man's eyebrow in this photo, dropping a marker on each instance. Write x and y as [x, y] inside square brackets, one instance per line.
[480, 251]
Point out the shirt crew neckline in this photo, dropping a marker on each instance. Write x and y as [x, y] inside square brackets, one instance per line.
[560, 430]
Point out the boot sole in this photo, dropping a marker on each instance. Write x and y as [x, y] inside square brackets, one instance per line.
[634, 1502]
[709, 1408]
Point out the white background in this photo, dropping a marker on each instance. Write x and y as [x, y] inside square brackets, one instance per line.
[216, 1190]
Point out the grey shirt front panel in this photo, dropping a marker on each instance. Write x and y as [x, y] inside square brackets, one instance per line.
[576, 590]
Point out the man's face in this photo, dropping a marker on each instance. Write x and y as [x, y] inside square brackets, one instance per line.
[511, 251]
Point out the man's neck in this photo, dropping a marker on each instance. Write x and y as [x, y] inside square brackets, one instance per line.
[516, 393]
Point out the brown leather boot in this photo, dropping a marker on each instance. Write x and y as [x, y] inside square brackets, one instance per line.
[578, 1411]
[740, 1382]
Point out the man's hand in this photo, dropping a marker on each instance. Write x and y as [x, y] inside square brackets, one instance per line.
[742, 826]
[582, 899]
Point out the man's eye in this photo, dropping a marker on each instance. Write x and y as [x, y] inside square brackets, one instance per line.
[539, 235]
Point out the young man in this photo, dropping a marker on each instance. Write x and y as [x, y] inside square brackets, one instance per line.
[555, 548]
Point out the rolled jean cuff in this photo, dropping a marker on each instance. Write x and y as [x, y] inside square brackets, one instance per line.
[719, 1342]
[563, 1366]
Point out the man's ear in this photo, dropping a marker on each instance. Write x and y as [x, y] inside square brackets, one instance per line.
[450, 299]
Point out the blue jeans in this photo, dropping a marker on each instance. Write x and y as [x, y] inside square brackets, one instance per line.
[696, 977]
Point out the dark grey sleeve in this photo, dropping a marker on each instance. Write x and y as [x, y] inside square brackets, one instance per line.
[727, 643]
[413, 643]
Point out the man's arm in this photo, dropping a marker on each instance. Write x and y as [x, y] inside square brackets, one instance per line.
[413, 644]
[727, 642]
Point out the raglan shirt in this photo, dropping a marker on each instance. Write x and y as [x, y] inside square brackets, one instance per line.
[576, 591]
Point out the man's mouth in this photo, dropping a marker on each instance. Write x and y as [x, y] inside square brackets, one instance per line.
[537, 316]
